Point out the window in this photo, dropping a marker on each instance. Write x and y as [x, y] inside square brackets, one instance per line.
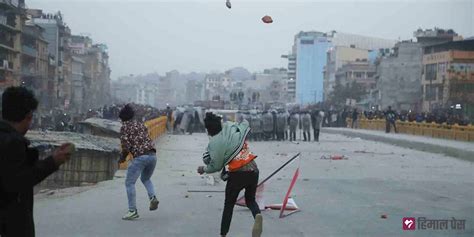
[440, 92]
[430, 92]
[358, 74]
[441, 68]
[430, 72]
[307, 41]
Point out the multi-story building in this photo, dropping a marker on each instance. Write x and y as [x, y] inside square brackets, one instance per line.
[97, 76]
[79, 44]
[34, 62]
[398, 77]
[337, 57]
[194, 90]
[359, 41]
[362, 73]
[79, 93]
[358, 71]
[448, 76]
[435, 36]
[217, 86]
[166, 91]
[399, 71]
[124, 90]
[271, 85]
[310, 51]
[57, 34]
[291, 78]
[11, 22]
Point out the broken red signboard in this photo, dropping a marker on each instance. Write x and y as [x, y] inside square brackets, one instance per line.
[288, 203]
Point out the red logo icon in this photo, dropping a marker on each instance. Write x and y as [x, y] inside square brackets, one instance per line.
[408, 223]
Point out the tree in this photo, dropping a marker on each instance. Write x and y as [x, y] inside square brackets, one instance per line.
[341, 93]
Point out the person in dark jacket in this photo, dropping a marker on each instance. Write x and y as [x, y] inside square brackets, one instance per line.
[390, 120]
[20, 168]
[355, 119]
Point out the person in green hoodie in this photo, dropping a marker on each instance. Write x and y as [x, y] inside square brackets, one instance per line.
[228, 147]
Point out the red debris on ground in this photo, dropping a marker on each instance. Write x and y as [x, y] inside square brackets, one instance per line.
[334, 157]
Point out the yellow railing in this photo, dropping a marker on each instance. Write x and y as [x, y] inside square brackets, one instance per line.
[156, 127]
[444, 131]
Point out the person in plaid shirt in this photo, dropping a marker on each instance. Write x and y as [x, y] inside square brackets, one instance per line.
[136, 141]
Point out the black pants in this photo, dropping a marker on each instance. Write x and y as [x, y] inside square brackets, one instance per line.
[388, 126]
[306, 136]
[17, 224]
[268, 136]
[237, 181]
[316, 134]
[280, 136]
[292, 135]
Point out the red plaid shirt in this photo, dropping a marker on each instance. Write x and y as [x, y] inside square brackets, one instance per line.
[135, 139]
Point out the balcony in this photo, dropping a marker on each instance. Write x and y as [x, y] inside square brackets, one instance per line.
[8, 44]
[8, 24]
[6, 65]
[10, 3]
[27, 50]
[28, 72]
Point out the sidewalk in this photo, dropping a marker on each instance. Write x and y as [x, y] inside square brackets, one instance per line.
[458, 149]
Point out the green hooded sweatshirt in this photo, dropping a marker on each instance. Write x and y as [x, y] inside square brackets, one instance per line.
[225, 145]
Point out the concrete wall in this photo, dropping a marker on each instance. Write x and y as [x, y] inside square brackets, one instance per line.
[399, 78]
[85, 166]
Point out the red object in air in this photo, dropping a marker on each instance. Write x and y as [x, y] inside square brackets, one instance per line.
[267, 19]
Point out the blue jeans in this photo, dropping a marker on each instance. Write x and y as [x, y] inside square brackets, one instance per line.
[141, 166]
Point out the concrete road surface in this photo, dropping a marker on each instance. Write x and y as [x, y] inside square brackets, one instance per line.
[337, 197]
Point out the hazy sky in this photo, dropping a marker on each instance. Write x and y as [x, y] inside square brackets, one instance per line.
[202, 36]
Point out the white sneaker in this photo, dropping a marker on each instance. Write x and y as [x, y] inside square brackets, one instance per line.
[131, 215]
[257, 226]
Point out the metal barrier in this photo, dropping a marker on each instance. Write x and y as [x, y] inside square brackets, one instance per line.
[156, 127]
[444, 131]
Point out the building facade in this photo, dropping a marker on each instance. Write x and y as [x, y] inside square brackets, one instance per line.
[271, 85]
[34, 62]
[314, 74]
[398, 77]
[311, 49]
[78, 97]
[448, 76]
[337, 57]
[57, 34]
[11, 22]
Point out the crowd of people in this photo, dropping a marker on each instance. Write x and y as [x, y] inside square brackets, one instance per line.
[449, 117]
[281, 125]
[185, 120]
[334, 118]
[60, 120]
